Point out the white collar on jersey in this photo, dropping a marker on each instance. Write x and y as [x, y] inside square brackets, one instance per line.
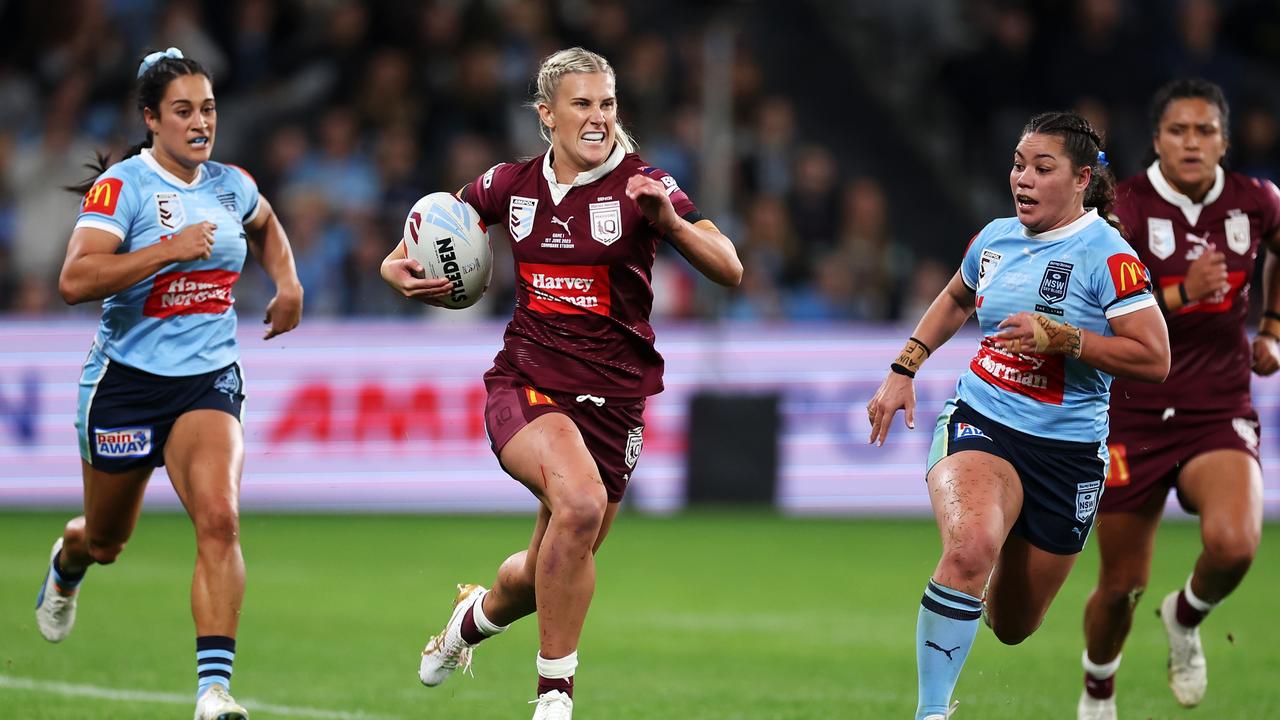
[1067, 230]
[169, 177]
[559, 189]
[1190, 208]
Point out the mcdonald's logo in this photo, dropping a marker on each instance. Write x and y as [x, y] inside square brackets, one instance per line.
[103, 196]
[535, 398]
[1118, 470]
[1128, 274]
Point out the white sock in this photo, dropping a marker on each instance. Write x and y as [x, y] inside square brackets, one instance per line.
[1099, 672]
[560, 668]
[483, 623]
[1194, 601]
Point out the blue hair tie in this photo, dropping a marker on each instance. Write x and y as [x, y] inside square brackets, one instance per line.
[1102, 159]
[156, 57]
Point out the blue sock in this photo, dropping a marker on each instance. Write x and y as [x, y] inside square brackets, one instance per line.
[945, 629]
[214, 656]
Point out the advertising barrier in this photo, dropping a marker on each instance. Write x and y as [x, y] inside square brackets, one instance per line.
[377, 416]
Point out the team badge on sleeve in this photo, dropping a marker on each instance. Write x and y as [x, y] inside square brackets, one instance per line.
[103, 196]
[1127, 274]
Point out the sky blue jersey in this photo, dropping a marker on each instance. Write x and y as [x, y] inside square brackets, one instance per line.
[1083, 273]
[179, 321]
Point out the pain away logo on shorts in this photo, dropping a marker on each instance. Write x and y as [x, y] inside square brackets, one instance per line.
[122, 442]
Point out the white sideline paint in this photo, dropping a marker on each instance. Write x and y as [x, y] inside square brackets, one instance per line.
[147, 696]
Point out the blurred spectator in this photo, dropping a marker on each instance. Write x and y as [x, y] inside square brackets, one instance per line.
[1257, 142]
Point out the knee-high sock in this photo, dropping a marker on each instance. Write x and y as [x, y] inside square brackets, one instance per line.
[945, 629]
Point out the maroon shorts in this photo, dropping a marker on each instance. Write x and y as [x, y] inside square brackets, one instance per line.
[1148, 450]
[613, 429]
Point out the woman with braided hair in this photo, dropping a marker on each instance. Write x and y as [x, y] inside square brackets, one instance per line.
[1019, 456]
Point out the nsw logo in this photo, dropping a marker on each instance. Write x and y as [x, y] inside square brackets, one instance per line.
[965, 430]
[228, 382]
[1053, 286]
[122, 442]
[1087, 494]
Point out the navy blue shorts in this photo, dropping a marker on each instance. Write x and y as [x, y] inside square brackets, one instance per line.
[125, 414]
[1061, 480]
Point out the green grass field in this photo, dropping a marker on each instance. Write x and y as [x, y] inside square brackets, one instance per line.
[706, 616]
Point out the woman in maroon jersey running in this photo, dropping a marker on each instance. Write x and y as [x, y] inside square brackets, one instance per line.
[566, 394]
[1198, 229]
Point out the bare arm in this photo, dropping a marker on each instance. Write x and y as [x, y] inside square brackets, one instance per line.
[701, 243]
[945, 316]
[270, 246]
[1138, 350]
[1266, 354]
[93, 270]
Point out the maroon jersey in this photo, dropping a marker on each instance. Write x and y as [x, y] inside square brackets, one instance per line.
[1211, 357]
[584, 259]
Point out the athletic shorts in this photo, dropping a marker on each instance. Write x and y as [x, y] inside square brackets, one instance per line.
[1061, 480]
[125, 415]
[613, 429]
[1148, 450]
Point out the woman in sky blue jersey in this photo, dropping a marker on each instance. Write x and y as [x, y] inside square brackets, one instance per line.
[161, 239]
[1019, 455]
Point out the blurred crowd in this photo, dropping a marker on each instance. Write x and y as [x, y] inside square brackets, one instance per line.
[346, 112]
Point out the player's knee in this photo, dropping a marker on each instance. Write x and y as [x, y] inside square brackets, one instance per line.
[1121, 594]
[105, 552]
[1013, 633]
[1231, 548]
[970, 561]
[217, 526]
[582, 513]
[517, 574]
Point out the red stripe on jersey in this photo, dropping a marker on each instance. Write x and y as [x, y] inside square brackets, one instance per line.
[190, 293]
[103, 196]
[567, 289]
[246, 172]
[1039, 377]
[1219, 302]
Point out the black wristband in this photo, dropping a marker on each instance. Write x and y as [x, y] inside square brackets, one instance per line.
[1267, 333]
[1182, 293]
[929, 351]
[902, 369]
[1271, 314]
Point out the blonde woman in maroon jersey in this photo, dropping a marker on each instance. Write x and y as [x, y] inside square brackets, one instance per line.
[1198, 229]
[566, 395]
